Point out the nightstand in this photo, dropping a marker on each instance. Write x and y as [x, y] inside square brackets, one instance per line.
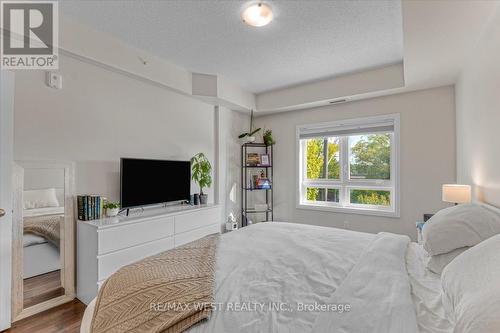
[420, 226]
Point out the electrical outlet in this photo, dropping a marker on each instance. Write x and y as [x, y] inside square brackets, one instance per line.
[54, 80]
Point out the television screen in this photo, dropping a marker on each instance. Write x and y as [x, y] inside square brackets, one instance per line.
[148, 182]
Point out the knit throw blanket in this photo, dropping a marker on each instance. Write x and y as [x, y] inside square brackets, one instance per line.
[167, 292]
[47, 226]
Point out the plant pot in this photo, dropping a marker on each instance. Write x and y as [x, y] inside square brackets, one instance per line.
[203, 199]
[250, 138]
[110, 212]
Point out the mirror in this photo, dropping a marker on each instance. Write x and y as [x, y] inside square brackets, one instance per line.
[43, 260]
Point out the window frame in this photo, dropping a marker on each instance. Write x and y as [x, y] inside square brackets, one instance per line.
[344, 183]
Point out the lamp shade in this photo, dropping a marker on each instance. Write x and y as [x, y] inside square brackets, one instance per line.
[456, 193]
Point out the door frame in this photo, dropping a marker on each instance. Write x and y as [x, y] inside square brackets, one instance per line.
[6, 160]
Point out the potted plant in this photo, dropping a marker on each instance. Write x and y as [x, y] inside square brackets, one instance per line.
[268, 138]
[250, 134]
[201, 170]
[112, 208]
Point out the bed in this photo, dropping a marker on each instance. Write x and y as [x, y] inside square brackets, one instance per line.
[291, 268]
[41, 240]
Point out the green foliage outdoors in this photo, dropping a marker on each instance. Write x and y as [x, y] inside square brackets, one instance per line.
[370, 159]
[201, 171]
[371, 197]
[316, 163]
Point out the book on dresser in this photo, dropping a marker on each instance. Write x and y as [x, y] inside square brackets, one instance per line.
[90, 207]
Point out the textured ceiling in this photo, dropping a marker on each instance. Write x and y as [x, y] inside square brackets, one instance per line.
[307, 40]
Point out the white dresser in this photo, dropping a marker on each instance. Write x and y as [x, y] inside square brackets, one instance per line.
[105, 245]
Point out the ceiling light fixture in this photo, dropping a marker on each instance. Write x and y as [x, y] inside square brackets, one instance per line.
[257, 15]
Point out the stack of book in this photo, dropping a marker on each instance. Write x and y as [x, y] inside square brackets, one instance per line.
[90, 207]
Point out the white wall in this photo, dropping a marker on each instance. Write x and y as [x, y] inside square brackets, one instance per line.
[427, 157]
[231, 124]
[100, 116]
[478, 117]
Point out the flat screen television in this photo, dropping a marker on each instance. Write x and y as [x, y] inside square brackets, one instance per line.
[147, 182]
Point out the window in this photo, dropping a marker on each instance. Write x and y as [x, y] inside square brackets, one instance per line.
[350, 165]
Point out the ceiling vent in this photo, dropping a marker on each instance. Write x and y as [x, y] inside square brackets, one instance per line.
[338, 101]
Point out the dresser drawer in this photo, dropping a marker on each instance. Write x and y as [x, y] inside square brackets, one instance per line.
[121, 237]
[197, 219]
[110, 263]
[189, 236]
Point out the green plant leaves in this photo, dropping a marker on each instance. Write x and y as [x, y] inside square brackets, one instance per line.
[255, 131]
[201, 169]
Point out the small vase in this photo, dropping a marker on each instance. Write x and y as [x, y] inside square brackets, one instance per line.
[203, 199]
[111, 212]
[196, 199]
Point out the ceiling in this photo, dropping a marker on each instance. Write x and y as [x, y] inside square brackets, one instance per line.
[307, 41]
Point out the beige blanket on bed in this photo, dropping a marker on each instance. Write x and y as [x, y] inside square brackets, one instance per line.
[168, 292]
[47, 226]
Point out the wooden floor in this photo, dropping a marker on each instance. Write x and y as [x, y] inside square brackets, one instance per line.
[42, 288]
[65, 318]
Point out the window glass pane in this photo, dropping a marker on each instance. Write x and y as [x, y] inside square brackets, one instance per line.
[323, 158]
[315, 160]
[371, 197]
[315, 194]
[370, 156]
[332, 195]
[333, 158]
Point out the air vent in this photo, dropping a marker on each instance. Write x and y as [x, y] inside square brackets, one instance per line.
[337, 101]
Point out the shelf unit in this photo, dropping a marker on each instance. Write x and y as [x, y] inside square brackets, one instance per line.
[246, 191]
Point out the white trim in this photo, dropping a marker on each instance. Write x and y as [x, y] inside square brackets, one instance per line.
[347, 210]
[6, 157]
[392, 185]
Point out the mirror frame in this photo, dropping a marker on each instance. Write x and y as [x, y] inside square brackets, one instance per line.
[67, 248]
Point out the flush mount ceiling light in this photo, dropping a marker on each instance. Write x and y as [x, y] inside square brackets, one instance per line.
[257, 15]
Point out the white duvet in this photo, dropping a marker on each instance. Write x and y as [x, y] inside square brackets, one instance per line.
[284, 277]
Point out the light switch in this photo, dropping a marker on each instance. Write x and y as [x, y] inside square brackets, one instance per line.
[54, 80]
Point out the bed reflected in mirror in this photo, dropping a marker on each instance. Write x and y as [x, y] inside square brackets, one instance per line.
[43, 224]
[43, 236]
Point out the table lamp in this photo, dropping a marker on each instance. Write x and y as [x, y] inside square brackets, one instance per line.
[456, 193]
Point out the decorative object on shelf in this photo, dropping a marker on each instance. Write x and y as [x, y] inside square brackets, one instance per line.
[268, 138]
[249, 136]
[253, 159]
[196, 199]
[202, 169]
[256, 185]
[231, 223]
[263, 184]
[264, 160]
[112, 208]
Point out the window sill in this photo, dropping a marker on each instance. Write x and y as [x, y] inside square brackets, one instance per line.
[349, 210]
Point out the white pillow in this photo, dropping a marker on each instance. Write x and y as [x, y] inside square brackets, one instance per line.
[437, 263]
[471, 288]
[40, 198]
[459, 226]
